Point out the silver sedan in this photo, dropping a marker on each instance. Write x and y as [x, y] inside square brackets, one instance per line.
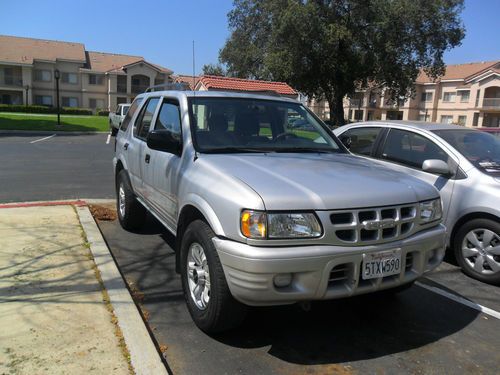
[462, 163]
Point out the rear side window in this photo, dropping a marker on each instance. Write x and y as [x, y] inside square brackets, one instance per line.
[130, 114]
[362, 140]
[411, 149]
[143, 122]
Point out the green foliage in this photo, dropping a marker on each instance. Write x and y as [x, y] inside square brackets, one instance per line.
[328, 49]
[214, 70]
[102, 112]
[43, 109]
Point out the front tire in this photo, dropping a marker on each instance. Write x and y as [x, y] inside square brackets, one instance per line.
[477, 250]
[208, 298]
[131, 213]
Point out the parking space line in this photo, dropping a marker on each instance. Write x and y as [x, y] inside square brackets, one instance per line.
[463, 301]
[43, 139]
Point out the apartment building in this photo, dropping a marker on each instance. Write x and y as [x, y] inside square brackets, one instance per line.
[467, 94]
[87, 79]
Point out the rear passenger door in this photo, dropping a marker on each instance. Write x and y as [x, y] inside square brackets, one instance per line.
[160, 176]
[406, 151]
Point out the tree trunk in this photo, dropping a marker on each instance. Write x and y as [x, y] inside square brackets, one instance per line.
[336, 104]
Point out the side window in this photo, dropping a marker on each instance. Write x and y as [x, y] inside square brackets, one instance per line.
[143, 122]
[410, 148]
[130, 114]
[169, 118]
[362, 139]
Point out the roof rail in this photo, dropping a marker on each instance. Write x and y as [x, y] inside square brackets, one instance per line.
[169, 86]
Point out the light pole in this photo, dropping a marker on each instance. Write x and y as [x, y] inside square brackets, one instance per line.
[27, 88]
[57, 75]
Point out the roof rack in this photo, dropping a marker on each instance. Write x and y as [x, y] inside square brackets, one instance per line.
[169, 86]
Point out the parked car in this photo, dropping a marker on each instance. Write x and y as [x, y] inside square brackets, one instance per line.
[463, 164]
[263, 214]
[116, 117]
[492, 131]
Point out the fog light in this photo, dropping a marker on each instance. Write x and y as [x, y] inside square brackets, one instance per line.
[283, 279]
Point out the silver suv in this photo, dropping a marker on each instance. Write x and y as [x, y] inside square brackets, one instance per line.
[266, 212]
[463, 164]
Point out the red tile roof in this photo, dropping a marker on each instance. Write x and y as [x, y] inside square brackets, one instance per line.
[238, 84]
[187, 79]
[460, 71]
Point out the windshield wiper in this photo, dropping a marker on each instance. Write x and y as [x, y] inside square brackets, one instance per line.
[236, 150]
[306, 149]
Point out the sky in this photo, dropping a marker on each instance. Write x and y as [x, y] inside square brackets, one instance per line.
[162, 31]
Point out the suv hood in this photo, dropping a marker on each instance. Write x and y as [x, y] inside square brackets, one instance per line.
[320, 181]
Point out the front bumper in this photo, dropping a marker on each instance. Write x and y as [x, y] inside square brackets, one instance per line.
[321, 272]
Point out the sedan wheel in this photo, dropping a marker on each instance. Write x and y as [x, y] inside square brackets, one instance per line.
[481, 251]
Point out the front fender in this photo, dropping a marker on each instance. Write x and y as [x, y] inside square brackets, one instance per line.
[208, 212]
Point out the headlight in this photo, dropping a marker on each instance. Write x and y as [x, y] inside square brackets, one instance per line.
[430, 211]
[259, 225]
[293, 225]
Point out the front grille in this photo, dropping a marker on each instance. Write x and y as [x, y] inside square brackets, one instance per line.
[373, 225]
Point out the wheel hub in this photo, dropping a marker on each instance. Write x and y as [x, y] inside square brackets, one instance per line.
[198, 276]
[481, 251]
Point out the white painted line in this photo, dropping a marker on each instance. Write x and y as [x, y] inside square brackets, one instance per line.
[43, 139]
[463, 301]
[143, 354]
[107, 139]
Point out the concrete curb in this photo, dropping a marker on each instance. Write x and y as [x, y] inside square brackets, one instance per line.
[143, 354]
[47, 132]
[76, 201]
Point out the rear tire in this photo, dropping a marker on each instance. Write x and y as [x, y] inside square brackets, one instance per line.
[476, 246]
[212, 309]
[131, 213]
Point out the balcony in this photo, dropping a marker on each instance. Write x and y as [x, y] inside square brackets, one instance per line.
[491, 103]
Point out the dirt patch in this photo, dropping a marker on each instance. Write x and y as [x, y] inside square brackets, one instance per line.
[103, 212]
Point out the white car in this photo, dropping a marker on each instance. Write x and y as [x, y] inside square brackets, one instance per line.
[116, 117]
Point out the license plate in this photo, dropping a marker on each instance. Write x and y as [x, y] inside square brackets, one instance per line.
[381, 264]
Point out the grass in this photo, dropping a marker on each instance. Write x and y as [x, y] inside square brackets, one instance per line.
[28, 121]
[300, 133]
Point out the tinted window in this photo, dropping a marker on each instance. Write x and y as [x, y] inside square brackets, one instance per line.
[143, 122]
[130, 113]
[410, 148]
[362, 139]
[169, 118]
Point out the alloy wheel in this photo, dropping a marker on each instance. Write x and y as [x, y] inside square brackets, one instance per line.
[198, 276]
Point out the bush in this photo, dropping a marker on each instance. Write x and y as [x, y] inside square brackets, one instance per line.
[103, 112]
[43, 109]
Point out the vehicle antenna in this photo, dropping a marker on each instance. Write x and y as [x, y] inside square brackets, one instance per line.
[194, 94]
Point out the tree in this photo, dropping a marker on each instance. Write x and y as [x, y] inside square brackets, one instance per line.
[328, 49]
[213, 70]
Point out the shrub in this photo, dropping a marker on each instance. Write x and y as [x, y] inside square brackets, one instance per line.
[43, 109]
[103, 112]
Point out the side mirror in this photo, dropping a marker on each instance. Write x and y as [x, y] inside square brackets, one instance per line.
[346, 140]
[436, 166]
[164, 140]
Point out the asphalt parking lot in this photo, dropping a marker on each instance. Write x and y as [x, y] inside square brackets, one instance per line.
[417, 332]
[61, 167]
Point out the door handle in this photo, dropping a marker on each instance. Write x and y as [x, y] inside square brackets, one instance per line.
[147, 158]
[125, 146]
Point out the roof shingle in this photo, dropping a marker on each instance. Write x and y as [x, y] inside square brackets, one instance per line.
[239, 84]
[18, 50]
[460, 71]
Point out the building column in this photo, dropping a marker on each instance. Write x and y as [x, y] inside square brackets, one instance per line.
[129, 85]
[480, 122]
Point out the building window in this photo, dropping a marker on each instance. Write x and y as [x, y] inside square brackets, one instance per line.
[10, 77]
[358, 115]
[43, 75]
[446, 119]
[96, 103]
[426, 96]
[449, 96]
[121, 100]
[68, 101]
[95, 79]
[478, 92]
[71, 78]
[43, 100]
[121, 83]
[462, 120]
[350, 114]
[464, 96]
[424, 117]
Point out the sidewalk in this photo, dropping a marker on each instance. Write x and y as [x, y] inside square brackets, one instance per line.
[54, 317]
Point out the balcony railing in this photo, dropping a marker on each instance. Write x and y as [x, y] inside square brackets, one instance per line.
[12, 81]
[491, 103]
[355, 103]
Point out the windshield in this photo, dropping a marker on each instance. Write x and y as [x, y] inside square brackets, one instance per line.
[481, 149]
[222, 125]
